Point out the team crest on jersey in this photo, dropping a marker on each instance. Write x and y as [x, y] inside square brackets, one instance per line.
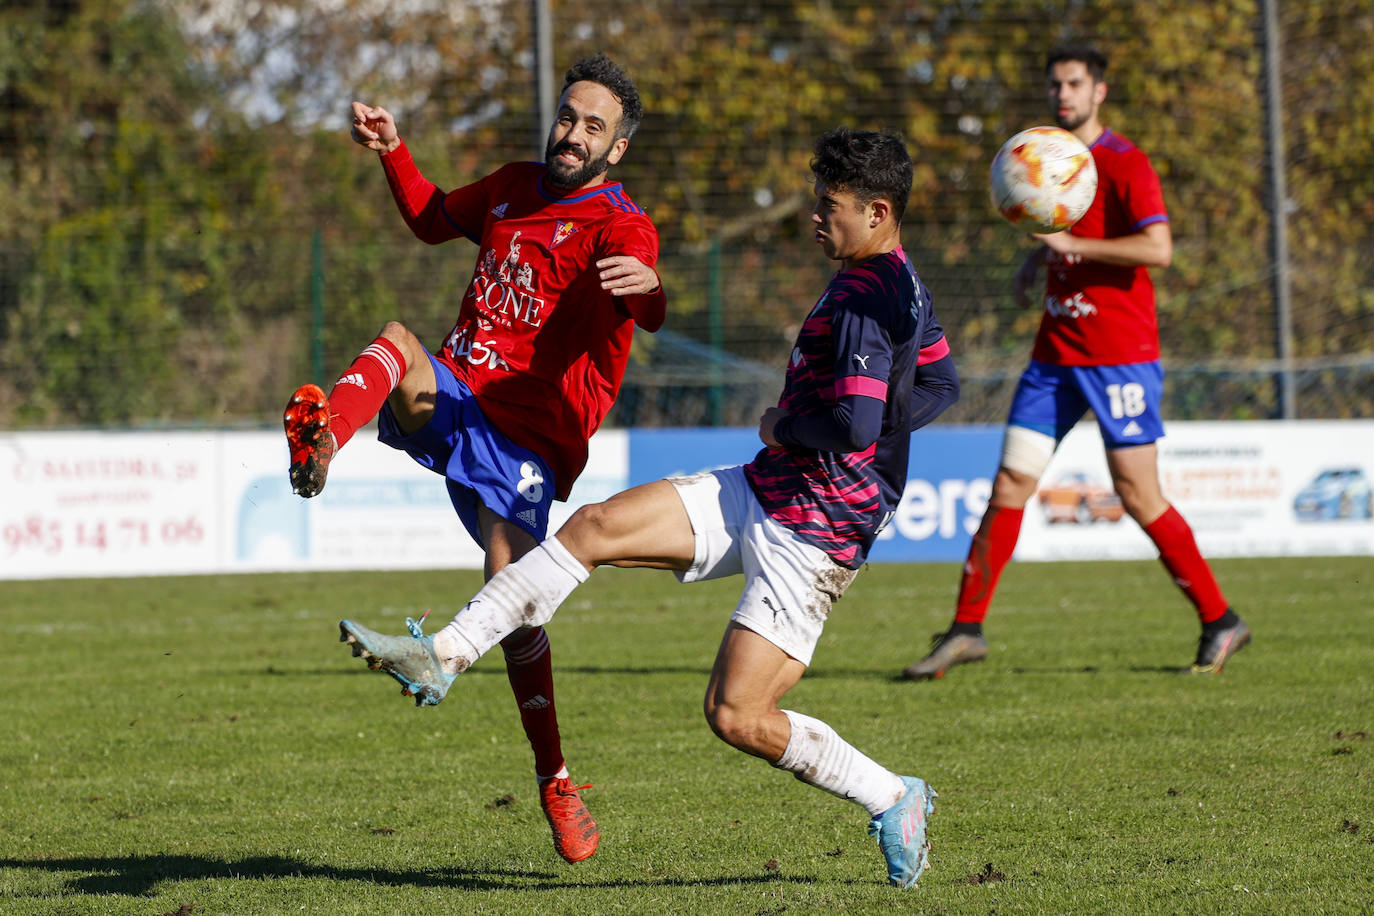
[561, 230]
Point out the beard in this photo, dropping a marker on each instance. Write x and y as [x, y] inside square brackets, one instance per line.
[1071, 122]
[562, 175]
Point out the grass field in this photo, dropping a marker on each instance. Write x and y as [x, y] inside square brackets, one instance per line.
[206, 746]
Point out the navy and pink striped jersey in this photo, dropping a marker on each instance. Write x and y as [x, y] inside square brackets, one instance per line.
[1100, 314]
[866, 336]
[540, 343]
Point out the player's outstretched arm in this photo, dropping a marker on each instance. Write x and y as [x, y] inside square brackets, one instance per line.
[374, 128]
[419, 199]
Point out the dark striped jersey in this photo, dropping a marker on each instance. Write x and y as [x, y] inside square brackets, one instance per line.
[866, 336]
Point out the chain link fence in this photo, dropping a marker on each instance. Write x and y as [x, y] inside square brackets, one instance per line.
[193, 234]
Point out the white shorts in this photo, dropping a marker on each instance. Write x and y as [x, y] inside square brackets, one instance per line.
[790, 584]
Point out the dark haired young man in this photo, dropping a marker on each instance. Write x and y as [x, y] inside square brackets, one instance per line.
[870, 365]
[505, 408]
[1098, 348]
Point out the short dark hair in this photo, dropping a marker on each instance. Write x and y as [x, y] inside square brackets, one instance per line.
[602, 70]
[1087, 55]
[868, 164]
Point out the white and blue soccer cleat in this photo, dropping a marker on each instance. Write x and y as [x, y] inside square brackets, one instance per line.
[411, 660]
[901, 833]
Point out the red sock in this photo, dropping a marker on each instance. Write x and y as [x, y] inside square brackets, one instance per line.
[363, 388]
[529, 666]
[1179, 554]
[987, 557]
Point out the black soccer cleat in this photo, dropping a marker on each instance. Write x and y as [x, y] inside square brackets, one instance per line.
[1215, 649]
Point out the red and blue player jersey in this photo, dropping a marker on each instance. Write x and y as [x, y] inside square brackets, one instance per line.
[1100, 314]
[540, 343]
[868, 333]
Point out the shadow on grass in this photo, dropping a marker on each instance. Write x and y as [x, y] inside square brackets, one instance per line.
[1171, 670]
[820, 672]
[817, 673]
[640, 670]
[139, 876]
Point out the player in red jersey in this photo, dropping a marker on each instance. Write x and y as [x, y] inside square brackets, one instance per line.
[505, 409]
[1097, 348]
[870, 364]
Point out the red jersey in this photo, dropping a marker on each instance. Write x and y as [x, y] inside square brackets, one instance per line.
[1102, 314]
[540, 343]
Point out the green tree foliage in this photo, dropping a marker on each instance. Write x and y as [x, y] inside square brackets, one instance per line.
[752, 84]
[170, 161]
[118, 268]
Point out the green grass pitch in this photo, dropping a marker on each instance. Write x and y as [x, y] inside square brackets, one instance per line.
[204, 745]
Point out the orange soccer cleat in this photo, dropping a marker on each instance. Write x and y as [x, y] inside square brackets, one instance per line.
[308, 436]
[575, 834]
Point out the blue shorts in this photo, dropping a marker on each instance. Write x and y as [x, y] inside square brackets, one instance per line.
[482, 466]
[1050, 399]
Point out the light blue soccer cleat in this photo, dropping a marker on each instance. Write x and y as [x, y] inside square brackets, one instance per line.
[901, 833]
[411, 660]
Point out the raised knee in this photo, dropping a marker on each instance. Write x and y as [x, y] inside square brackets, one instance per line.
[593, 529]
[404, 340]
[401, 336]
[732, 726]
[591, 517]
[395, 332]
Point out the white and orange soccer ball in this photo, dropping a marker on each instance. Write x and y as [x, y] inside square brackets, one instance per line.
[1043, 179]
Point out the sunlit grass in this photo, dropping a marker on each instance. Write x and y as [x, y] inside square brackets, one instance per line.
[206, 743]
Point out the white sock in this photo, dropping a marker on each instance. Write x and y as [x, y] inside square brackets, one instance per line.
[819, 757]
[524, 594]
[561, 774]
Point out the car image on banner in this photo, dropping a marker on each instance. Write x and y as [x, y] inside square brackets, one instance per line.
[1335, 493]
[1078, 497]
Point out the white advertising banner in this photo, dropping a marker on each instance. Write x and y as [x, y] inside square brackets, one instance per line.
[119, 504]
[97, 504]
[170, 503]
[1247, 489]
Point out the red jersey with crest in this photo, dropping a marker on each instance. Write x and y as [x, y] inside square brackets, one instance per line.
[540, 343]
[1100, 314]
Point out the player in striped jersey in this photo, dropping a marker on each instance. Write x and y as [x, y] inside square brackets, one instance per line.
[505, 409]
[869, 366]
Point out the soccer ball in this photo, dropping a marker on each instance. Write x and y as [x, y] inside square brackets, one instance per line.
[1043, 179]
